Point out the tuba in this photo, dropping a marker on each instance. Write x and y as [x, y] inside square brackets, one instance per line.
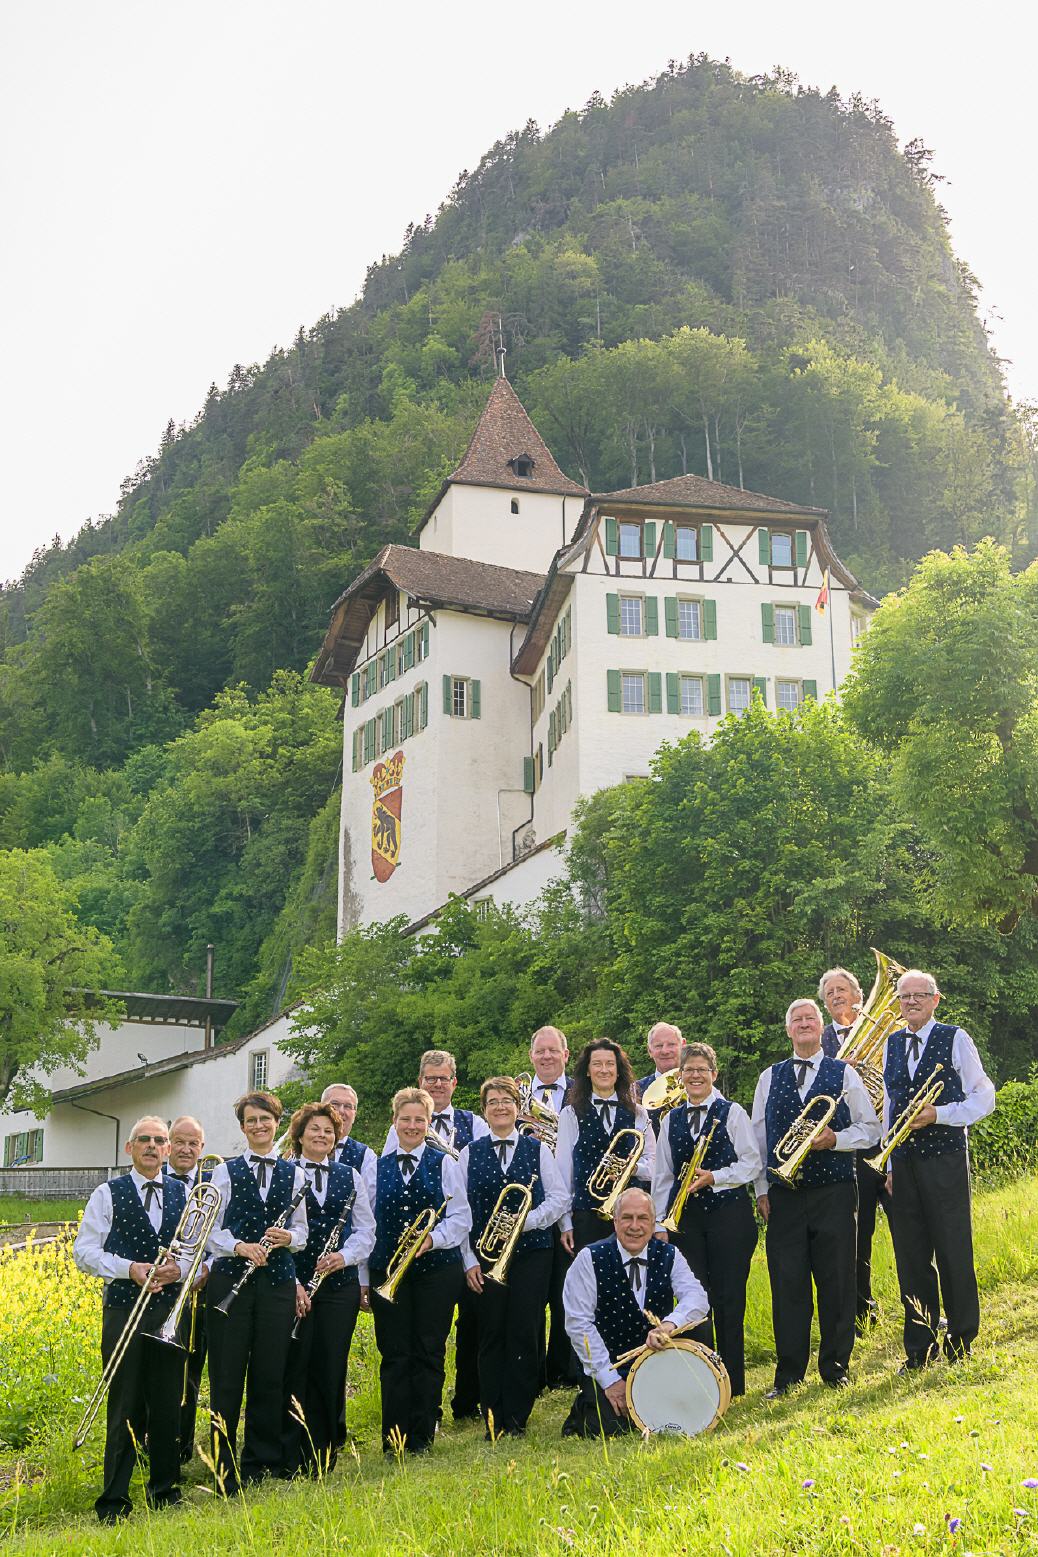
[878, 1018]
[692, 1167]
[536, 1119]
[792, 1151]
[613, 1172]
[665, 1093]
[406, 1251]
[499, 1239]
[901, 1129]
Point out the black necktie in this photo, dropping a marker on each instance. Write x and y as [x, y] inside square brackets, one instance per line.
[502, 1150]
[407, 1164]
[316, 1168]
[803, 1066]
[181, 1178]
[634, 1273]
[605, 1107]
[152, 1192]
[546, 1094]
[263, 1167]
[441, 1123]
[697, 1120]
[914, 1048]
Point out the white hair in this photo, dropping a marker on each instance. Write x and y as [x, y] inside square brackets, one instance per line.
[147, 1119]
[188, 1119]
[338, 1086]
[632, 1191]
[795, 1005]
[917, 973]
[837, 973]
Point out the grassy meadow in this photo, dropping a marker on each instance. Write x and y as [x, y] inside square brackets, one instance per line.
[939, 1462]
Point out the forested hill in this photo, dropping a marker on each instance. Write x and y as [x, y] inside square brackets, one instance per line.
[742, 278]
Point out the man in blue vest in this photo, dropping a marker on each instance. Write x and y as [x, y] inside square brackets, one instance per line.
[929, 1181]
[612, 1288]
[811, 1225]
[355, 1154]
[186, 1145]
[125, 1223]
[549, 1053]
[664, 1044]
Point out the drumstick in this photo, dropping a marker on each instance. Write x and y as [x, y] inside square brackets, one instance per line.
[636, 1351]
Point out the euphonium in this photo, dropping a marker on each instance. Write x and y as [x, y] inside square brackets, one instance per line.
[612, 1172]
[406, 1251]
[438, 1144]
[536, 1119]
[692, 1167]
[901, 1129]
[665, 1093]
[793, 1149]
[498, 1240]
[878, 1018]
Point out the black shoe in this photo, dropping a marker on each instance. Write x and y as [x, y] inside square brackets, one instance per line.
[843, 1382]
[867, 1318]
[777, 1391]
[958, 1353]
[917, 1362]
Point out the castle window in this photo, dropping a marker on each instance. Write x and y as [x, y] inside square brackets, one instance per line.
[785, 625]
[690, 619]
[630, 541]
[515, 505]
[740, 690]
[781, 549]
[481, 908]
[691, 695]
[258, 1069]
[632, 687]
[686, 539]
[23, 1148]
[392, 609]
[522, 465]
[630, 616]
[787, 695]
[461, 697]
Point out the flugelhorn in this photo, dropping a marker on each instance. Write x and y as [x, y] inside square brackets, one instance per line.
[331, 1246]
[877, 1019]
[793, 1149]
[613, 1172]
[406, 1251]
[688, 1176]
[901, 1129]
[498, 1241]
[266, 1245]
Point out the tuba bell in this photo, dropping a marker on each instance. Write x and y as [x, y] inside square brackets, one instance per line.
[665, 1093]
[878, 1018]
[536, 1119]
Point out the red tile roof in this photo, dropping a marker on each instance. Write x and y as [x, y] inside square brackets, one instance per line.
[697, 492]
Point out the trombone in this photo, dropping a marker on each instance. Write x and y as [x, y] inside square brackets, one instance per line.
[406, 1251]
[613, 1172]
[901, 1129]
[795, 1146]
[688, 1177]
[498, 1241]
[191, 1232]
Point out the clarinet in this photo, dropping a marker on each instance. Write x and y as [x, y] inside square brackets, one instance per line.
[331, 1246]
[266, 1245]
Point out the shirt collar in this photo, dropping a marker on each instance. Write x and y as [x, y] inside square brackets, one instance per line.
[812, 1060]
[141, 1181]
[612, 1098]
[311, 1162]
[924, 1031]
[416, 1153]
[627, 1256]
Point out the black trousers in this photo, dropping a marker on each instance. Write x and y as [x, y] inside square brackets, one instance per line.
[194, 1364]
[718, 1244]
[932, 1230]
[554, 1353]
[591, 1415]
[872, 1193]
[411, 1334]
[465, 1400]
[511, 1319]
[316, 1378]
[248, 1351]
[811, 1235]
[144, 1401]
[589, 1227]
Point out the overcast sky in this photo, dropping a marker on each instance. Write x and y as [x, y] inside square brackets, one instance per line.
[183, 185]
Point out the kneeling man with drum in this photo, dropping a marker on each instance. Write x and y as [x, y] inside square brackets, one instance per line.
[616, 1295]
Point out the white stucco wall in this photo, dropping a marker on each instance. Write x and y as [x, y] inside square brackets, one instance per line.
[478, 522]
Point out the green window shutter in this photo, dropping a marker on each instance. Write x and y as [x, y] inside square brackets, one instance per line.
[763, 547]
[612, 538]
[706, 543]
[709, 618]
[369, 740]
[473, 699]
[804, 613]
[767, 621]
[649, 538]
[810, 689]
[655, 692]
[423, 705]
[550, 668]
[355, 688]
[673, 693]
[652, 616]
[612, 613]
[669, 547]
[528, 775]
[425, 640]
[713, 695]
[670, 615]
[356, 753]
[390, 665]
[447, 694]
[613, 691]
[760, 685]
[409, 651]
[801, 545]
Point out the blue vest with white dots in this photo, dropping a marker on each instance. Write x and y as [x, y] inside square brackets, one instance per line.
[248, 1216]
[464, 1128]
[935, 1140]
[619, 1315]
[321, 1220]
[784, 1106]
[397, 1204]
[132, 1237]
[591, 1144]
[485, 1182]
[351, 1153]
[719, 1154]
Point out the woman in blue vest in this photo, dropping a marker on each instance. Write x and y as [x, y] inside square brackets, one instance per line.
[316, 1374]
[249, 1344]
[717, 1233]
[411, 1332]
[602, 1100]
[511, 1317]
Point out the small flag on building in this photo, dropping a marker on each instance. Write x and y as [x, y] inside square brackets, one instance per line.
[823, 595]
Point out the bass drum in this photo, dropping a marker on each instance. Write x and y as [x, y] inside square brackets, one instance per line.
[683, 1389]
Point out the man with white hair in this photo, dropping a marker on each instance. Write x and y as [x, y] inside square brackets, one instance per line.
[549, 1052]
[611, 1288]
[664, 1044]
[354, 1154]
[186, 1145]
[930, 1179]
[811, 1226]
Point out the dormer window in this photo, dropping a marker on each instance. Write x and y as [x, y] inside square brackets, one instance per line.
[522, 465]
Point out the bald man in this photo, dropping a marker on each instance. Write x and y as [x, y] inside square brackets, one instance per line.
[664, 1044]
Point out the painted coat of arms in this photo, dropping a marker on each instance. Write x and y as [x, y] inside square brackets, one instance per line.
[387, 784]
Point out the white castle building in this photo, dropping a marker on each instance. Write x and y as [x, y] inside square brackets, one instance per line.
[540, 643]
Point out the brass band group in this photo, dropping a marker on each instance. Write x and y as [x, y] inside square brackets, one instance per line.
[571, 1230]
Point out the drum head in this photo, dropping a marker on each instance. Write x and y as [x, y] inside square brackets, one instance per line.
[683, 1390]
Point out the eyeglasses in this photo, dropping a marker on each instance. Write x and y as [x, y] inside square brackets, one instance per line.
[151, 1140]
[697, 1075]
[913, 995]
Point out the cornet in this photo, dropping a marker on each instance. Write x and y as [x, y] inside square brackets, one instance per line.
[795, 1146]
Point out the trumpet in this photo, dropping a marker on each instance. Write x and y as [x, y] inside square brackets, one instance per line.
[613, 1172]
[438, 1144]
[688, 1176]
[331, 1246]
[406, 1251]
[877, 1019]
[537, 1119]
[665, 1093]
[792, 1151]
[192, 1231]
[901, 1129]
[266, 1245]
[498, 1241]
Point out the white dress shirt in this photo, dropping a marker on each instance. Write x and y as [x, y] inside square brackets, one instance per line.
[544, 1215]
[479, 1127]
[746, 1168]
[556, 1091]
[978, 1087]
[453, 1226]
[862, 1132]
[580, 1300]
[98, 1215]
[569, 1131]
[222, 1240]
[361, 1241]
